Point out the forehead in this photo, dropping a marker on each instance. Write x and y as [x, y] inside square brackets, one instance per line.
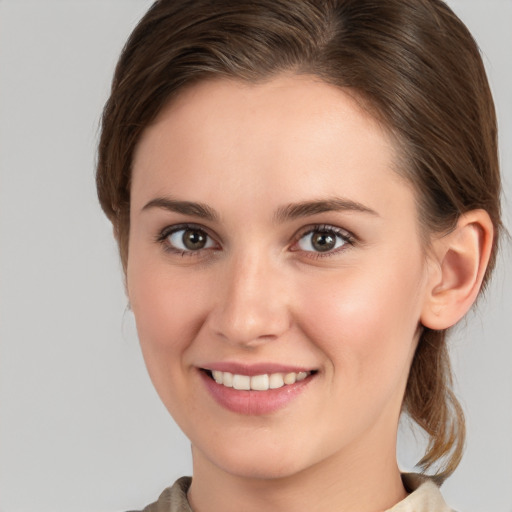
[285, 101]
[297, 132]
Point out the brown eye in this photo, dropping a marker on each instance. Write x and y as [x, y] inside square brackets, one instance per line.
[194, 239]
[323, 240]
[189, 239]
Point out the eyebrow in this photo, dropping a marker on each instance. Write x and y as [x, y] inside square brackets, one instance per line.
[308, 208]
[200, 210]
[284, 213]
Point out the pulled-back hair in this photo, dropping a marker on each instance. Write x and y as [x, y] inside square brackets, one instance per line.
[414, 66]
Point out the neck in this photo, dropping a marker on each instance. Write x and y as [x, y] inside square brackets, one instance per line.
[363, 481]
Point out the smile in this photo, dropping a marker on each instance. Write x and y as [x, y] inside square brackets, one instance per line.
[262, 382]
[258, 389]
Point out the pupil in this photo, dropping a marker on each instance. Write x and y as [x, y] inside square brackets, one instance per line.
[194, 240]
[323, 241]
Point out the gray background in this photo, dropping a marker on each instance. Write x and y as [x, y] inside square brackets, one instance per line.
[81, 427]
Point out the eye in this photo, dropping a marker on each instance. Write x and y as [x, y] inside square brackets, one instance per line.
[323, 239]
[187, 239]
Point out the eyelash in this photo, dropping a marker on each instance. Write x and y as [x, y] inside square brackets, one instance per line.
[347, 238]
[163, 239]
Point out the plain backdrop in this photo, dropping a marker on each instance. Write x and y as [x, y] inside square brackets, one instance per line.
[81, 426]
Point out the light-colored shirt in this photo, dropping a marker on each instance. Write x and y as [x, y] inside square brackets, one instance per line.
[424, 496]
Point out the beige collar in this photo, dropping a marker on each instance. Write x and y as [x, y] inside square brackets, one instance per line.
[424, 496]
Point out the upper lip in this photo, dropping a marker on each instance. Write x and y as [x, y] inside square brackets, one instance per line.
[255, 369]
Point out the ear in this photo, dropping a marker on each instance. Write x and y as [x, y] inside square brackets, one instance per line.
[458, 263]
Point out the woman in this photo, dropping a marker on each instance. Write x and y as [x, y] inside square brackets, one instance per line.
[306, 197]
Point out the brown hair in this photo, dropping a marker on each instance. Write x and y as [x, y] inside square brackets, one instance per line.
[412, 61]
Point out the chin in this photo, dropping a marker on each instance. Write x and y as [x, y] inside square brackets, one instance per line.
[262, 464]
[263, 470]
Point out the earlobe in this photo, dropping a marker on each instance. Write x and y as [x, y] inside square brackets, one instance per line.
[461, 258]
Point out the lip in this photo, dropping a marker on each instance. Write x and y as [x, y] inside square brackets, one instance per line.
[253, 403]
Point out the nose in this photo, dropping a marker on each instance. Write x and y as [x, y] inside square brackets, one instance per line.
[252, 306]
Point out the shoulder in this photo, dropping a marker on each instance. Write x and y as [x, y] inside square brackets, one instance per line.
[172, 499]
[424, 496]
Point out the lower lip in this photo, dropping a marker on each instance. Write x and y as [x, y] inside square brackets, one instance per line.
[254, 402]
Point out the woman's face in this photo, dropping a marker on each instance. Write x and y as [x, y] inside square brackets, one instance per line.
[271, 240]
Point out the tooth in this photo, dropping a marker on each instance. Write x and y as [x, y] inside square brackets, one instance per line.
[276, 381]
[242, 382]
[227, 379]
[301, 376]
[290, 378]
[259, 382]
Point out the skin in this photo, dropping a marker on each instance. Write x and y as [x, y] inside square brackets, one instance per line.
[259, 293]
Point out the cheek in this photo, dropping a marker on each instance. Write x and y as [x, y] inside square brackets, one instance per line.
[366, 320]
[168, 310]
